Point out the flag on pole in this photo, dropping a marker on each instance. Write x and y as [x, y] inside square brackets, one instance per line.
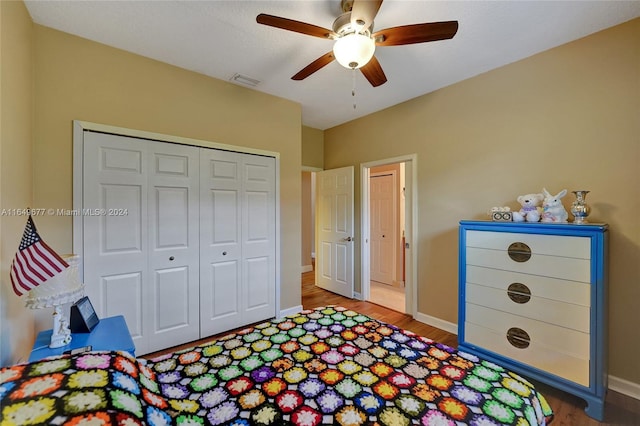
[35, 261]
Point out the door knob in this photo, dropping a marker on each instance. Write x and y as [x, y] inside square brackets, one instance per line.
[348, 239]
[171, 259]
[224, 253]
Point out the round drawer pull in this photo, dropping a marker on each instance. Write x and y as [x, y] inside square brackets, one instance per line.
[520, 252]
[518, 338]
[224, 253]
[519, 293]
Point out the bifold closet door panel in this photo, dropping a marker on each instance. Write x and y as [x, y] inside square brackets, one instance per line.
[116, 247]
[174, 248]
[258, 237]
[220, 243]
[145, 195]
[237, 239]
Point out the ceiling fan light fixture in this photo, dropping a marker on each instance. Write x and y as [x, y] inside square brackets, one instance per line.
[354, 50]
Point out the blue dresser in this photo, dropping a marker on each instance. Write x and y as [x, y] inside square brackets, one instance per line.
[533, 298]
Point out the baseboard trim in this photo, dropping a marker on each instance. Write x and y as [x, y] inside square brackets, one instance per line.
[357, 295]
[307, 268]
[290, 311]
[624, 387]
[437, 323]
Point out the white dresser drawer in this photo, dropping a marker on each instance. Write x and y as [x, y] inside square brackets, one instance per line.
[559, 350]
[537, 354]
[550, 245]
[563, 314]
[563, 340]
[549, 288]
[566, 268]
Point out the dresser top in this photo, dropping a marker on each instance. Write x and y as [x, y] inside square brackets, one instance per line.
[540, 226]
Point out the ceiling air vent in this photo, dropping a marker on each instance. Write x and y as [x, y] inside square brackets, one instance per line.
[244, 80]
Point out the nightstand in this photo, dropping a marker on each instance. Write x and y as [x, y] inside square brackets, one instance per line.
[111, 334]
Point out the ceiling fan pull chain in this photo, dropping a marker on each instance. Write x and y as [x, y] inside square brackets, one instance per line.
[353, 90]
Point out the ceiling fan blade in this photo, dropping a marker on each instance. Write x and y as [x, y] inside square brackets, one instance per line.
[373, 72]
[416, 33]
[295, 26]
[363, 12]
[314, 66]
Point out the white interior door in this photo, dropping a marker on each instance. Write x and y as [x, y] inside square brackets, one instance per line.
[258, 238]
[174, 248]
[237, 263]
[383, 227]
[220, 241]
[334, 236]
[141, 195]
[116, 247]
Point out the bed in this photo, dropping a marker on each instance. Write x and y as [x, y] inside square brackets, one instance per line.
[326, 366]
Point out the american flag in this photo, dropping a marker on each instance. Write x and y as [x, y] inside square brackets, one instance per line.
[35, 261]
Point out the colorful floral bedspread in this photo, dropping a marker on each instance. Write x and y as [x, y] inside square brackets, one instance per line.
[94, 388]
[327, 366]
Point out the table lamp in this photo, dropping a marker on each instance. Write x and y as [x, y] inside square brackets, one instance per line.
[55, 292]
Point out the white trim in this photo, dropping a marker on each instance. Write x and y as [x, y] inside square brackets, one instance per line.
[437, 323]
[79, 127]
[307, 268]
[311, 169]
[357, 296]
[290, 311]
[105, 128]
[625, 387]
[411, 278]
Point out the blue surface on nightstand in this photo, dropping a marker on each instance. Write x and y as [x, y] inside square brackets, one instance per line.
[110, 334]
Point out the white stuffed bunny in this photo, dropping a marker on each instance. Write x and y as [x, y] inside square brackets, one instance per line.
[552, 208]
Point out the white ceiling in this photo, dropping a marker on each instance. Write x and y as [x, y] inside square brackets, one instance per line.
[221, 38]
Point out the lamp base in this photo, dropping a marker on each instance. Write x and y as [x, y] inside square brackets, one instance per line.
[61, 334]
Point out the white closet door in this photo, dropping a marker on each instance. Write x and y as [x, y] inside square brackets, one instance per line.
[258, 237]
[116, 247]
[146, 201]
[220, 244]
[173, 245]
[237, 240]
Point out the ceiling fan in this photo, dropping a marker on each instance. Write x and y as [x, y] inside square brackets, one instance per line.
[355, 41]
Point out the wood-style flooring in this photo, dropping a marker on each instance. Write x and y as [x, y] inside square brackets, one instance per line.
[620, 410]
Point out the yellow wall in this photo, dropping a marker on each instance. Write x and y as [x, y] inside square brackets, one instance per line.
[565, 118]
[16, 94]
[312, 147]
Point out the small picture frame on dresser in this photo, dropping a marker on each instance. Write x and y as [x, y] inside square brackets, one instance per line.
[83, 316]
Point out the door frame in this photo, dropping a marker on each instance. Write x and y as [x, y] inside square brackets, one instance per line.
[411, 206]
[79, 127]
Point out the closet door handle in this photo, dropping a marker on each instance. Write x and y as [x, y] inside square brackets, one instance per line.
[224, 253]
[171, 259]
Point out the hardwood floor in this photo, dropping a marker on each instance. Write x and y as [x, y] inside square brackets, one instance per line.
[620, 410]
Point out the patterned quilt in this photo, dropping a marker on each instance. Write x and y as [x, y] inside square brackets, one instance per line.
[327, 366]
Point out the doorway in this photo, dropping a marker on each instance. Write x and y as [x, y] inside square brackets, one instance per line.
[386, 224]
[409, 162]
[388, 189]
